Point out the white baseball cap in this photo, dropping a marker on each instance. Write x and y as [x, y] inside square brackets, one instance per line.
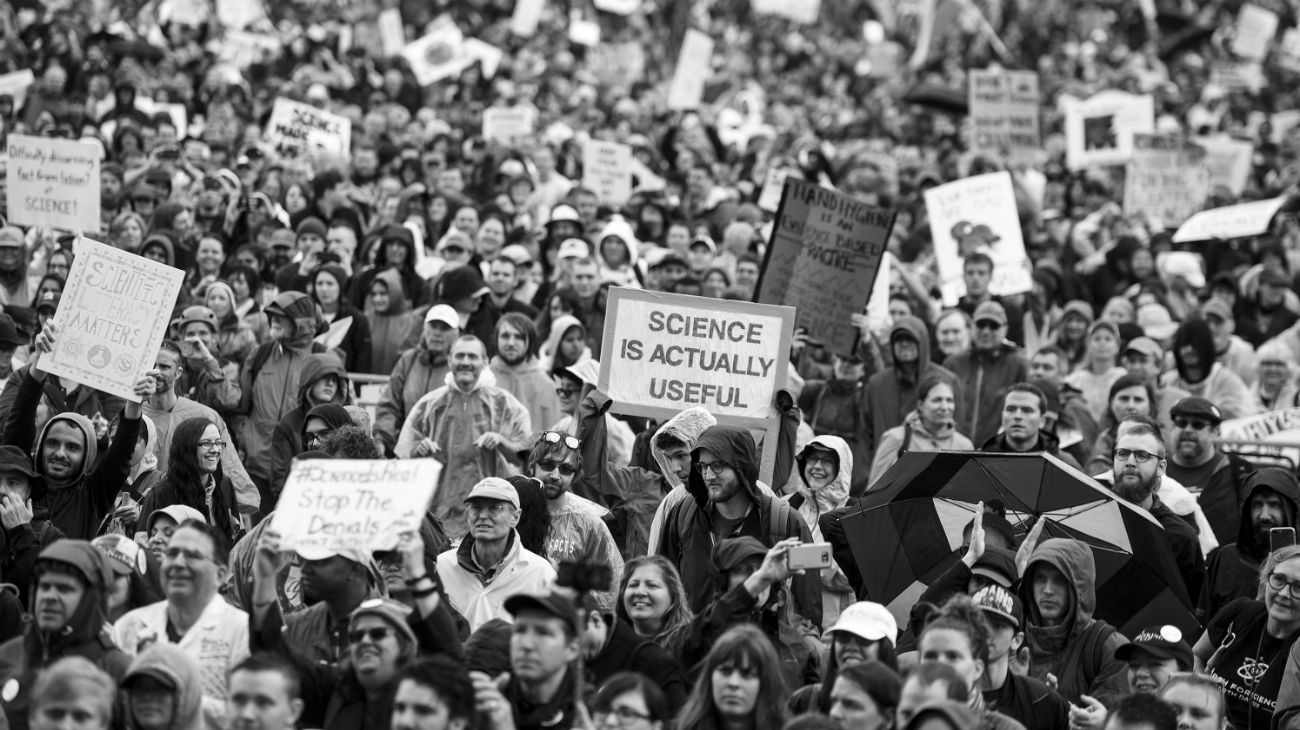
[868, 620]
[443, 313]
[574, 248]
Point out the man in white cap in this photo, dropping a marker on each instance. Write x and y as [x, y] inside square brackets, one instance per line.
[491, 565]
[418, 371]
[334, 583]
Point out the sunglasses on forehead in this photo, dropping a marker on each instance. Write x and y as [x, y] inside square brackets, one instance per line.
[553, 437]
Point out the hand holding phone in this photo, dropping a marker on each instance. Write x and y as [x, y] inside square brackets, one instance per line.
[809, 556]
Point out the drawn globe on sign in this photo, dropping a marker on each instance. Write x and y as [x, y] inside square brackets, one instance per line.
[124, 365]
[72, 348]
[99, 356]
[439, 53]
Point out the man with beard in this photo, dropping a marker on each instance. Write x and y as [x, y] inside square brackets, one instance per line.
[72, 580]
[193, 615]
[473, 427]
[578, 531]
[167, 410]
[418, 371]
[1270, 498]
[1139, 464]
[891, 393]
[15, 288]
[1197, 463]
[518, 369]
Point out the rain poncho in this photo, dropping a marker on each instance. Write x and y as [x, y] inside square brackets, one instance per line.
[388, 328]
[532, 386]
[579, 535]
[836, 591]
[626, 274]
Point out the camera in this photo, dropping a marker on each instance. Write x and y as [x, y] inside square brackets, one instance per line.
[584, 577]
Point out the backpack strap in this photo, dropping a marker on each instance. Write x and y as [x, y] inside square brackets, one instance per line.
[907, 440]
[1098, 633]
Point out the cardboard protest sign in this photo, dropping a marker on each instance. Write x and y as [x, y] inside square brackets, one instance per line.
[1099, 130]
[1288, 51]
[1243, 76]
[665, 352]
[1004, 115]
[607, 169]
[693, 70]
[299, 130]
[242, 49]
[508, 123]
[617, 64]
[528, 13]
[618, 7]
[1266, 431]
[978, 214]
[238, 14]
[112, 317]
[487, 55]
[1228, 160]
[392, 37]
[53, 183]
[1166, 179]
[330, 505]
[440, 54]
[1256, 27]
[822, 259]
[773, 186]
[1233, 221]
[800, 11]
[15, 84]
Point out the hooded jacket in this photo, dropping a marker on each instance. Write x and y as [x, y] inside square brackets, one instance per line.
[690, 526]
[627, 274]
[388, 328]
[891, 393]
[1081, 650]
[417, 373]
[913, 436]
[355, 347]
[812, 503]
[85, 635]
[77, 505]
[551, 347]
[269, 392]
[986, 376]
[1232, 571]
[287, 438]
[533, 386]
[171, 665]
[1220, 386]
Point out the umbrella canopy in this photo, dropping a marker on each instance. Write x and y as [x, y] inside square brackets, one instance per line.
[938, 97]
[908, 530]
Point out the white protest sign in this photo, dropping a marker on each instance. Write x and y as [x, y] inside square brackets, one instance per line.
[53, 183]
[1233, 221]
[391, 35]
[1228, 160]
[800, 11]
[242, 49]
[1255, 30]
[617, 64]
[15, 84]
[112, 317]
[770, 198]
[978, 214]
[1099, 130]
[618, 7]
[331, 505]
[693, 69]
[1264, 431]
[239, 14]
[1288, 51]
[1166, 179]
[665, 352]
[1245, 76]
[488, 56]
[185, 12]
[507, 123]
[1004, 115]
[439, 54]
[607, 169]
[582, 31]
[298, 130]
[528, 13]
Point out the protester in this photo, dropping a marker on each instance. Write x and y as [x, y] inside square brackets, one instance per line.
[417, 372]
[1271, 499]
[931, 427]
[990, 366]
[163, 690]
[739, 683]
[1197, 461]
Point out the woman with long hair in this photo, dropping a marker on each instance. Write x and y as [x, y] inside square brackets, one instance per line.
[630, 700]
[864, 632]
[865, 696]
[127, 231]
[1072, 332]
[1130, 395]
[534, 526]
[246, 288]
[740, 685]
[329, 284]
[235, 339]
[652, 600]
[931, 427]
[194, 478]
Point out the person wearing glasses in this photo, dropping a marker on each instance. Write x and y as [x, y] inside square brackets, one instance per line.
[195, 479]
[1197, 462]
[630, 701]
[193, 616]
[68, 620]
[1245, 645]
[1272, 499]
[490, 565]
[989, 367]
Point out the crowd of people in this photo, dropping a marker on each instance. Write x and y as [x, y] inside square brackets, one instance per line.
[578, 568]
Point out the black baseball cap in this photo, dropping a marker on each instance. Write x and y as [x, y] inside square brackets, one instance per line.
[1162, 642]
[9, 332]
[553, 603]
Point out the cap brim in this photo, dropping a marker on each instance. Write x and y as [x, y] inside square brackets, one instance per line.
[1001, 614]
[992, 575]
[315, 553]
[1126, 652]
[868, 635]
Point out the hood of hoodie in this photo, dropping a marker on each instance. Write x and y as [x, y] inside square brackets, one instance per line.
[1194, 333]
[486, 379]
[321, 365]
[302, 310]
[1266, 479]
[686, 427]
[1074, 560]
[397, 300]
[81, 423]
[150, 459]
[558, 328]
[620, 228]
[162, 240]
[333, 414]
[733, 446]
[835, 494]
[914, 328]
[172, 665]
[88, 620]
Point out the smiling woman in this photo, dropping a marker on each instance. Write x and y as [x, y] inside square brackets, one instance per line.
[195, 478]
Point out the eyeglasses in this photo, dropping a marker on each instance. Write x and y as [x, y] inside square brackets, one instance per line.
[564, 469]
[494, 507]
[624, 715]
[823, 460]
[554, 437]
[1277, 582]
[566, 392]
[1194, 424]
[312, 437]
[191, 556]
[988, 324]
[376, 635]
[1138, 455]
[212, 445]
[704, 469]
